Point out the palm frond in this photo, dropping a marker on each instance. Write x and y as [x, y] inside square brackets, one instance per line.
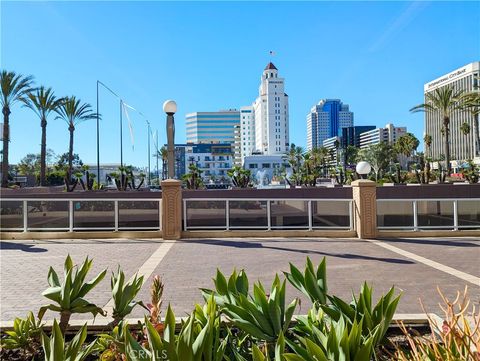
[14, 87]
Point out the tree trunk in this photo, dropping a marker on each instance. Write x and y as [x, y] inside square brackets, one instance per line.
[476, 133]
[43, 153]
[71, 129]
[6, 139]
[446, 126]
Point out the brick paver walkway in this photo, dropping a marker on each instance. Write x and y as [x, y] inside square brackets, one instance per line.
[191, 264]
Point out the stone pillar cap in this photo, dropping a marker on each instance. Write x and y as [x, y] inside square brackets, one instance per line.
[363, 183]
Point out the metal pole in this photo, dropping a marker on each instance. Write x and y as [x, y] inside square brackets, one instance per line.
[148, 135]
[121, 134]
[98, 140]
[170, 145]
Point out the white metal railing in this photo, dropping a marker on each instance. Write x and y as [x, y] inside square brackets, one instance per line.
[446, 214]
[71, 218]
[311, 220]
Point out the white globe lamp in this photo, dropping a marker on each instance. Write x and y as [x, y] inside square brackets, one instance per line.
[363, 168]
[170, 107]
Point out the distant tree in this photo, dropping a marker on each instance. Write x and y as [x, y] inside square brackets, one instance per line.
[193, 179]
[62, 161]
[240, 177]
[29, 165]
[73, 112]
[42, 101]
[163, 154]
[427, 139]
[14, 88]
[444, 101]
[465, 128]
[379, 156]
[407, 144]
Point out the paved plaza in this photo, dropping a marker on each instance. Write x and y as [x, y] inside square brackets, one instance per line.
[416, 266]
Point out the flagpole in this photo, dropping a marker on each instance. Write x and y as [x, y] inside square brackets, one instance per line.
[148, 135]
[121, 134]
[98, 141]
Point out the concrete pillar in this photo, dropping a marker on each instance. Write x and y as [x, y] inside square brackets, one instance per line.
[365, 208]
[171, 209]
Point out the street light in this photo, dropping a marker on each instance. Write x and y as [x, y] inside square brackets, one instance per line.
[170, 107]
[363, 168]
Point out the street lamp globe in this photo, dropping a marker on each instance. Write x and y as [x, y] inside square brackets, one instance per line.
[170, 107]
[363, 168]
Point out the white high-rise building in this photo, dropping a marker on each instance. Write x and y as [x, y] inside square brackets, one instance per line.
[462, 146]
[271, 114]
[212, 127]
[247, 132]
[388, 134]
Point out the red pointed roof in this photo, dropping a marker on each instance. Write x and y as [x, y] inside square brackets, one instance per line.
[270, 66]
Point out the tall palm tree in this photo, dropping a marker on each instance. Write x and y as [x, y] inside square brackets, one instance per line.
[444, 101]
[471, 103]
[14, 88]
[73, 112]
[42, 101]
[427, 139]
[406, 144]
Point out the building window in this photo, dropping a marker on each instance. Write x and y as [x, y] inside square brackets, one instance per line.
[253, 165]
[265, 165]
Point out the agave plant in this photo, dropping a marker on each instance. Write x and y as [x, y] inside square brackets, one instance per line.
[263, 316]
[362, 311]
[226, 291]
[23, 335]
[69, 295]
[56, 350]
[123, 294]
[335, 340]
[198, 339]
[312, 283]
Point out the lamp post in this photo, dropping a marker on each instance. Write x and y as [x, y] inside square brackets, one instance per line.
[363, 168]
[170, 107]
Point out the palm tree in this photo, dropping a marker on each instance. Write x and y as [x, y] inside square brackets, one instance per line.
[427, 139]
[445, 101]
[42, 101]
[407, 144]
[163, 153]
[14, 88]
[73, 112]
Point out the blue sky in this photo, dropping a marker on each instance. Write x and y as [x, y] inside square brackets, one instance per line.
[375, 56]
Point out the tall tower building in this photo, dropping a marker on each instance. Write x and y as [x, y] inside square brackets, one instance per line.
[212, 127]
[271, 114]
[247, 132]
[326, 120]
[462, 147]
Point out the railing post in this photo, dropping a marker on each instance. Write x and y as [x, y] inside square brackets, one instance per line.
[350, 214]
[25, 216]
[365, 200]
[115, 206]
[310, 215]
[227, 214]
[455, 215]
[415, 216]
[171, 209]
[70, 216]
[159, 214]
[269, 220]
